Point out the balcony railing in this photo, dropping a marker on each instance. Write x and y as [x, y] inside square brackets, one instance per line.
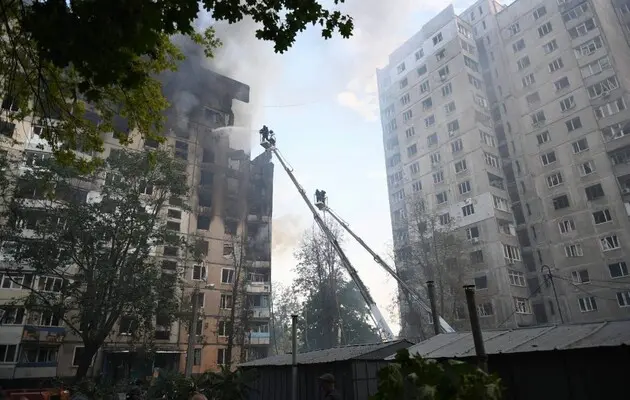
[46, 334]
[259, 287]
[260, 338]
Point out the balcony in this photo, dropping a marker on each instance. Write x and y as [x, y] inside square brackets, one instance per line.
[43, 334]
[35, 370]
[261, 264]
[257, 312]
[258, 338]
[257, 218]
[259, 287]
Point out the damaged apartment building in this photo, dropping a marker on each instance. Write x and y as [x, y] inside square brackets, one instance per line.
[229, 219]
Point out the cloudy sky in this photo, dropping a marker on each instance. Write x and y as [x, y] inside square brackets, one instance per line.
[320, 99]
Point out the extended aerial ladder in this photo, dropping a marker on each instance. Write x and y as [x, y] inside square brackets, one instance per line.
[268, 142]
[321, 203]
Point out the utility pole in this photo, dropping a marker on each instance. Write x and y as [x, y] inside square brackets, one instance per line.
[192, 333]
[553, 286]
[294, 365]
[475, 326]
[434, 312]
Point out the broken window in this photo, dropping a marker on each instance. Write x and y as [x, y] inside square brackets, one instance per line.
[205, 199]
[206, 177]
[230, 227]
[181, 150]
[203, 222]
[228, 249]
[208, 156]
[202, 247]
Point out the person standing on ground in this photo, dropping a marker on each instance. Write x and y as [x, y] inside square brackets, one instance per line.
[327, 382]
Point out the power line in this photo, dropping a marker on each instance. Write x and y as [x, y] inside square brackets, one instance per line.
[580, 288]
[528, 298]
[627, 284]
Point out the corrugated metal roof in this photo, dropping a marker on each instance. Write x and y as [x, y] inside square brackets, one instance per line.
[540, 338]
[331, 355]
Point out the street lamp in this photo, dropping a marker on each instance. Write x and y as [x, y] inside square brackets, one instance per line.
[553, 286]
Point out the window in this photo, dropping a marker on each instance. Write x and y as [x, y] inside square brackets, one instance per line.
[407, 115]
[441, 198]
[460, 166]
[464, 31]
[573, 124]
[594, 192]
[560, 202]
[514, 29]
[491, 160]
[567, 104]
[403, 83]
[226, 301]
[228, 250]
[543, 137]
[519, 45]
[550, 46]
[452, 127]
[580, 146]
[457, 146]
[476, 257]
[438, 177]
[481, 282]
[78, 354]
[523, 63]
[554, 180]
[500, 203]
[516, 278]
[472, 233]
[595, 67]
[412, 150]
[227, 275]
[127, 325]
[522, 305]
[538, 117]
[469, 48]
[398, 196]
[618, 269]
[474, 81]
[623, 298]
[440, 55]
[447, 89]
[405, 99]
[14, 281]
[580, 276]
[8, 353]
[567, 225]
[589, 47]
[414, 168]
[14, 316]
[437, 38]
[482, 101]
[586, 168]
[470, 63]
[199, 272]
[532, 98]
[445, 219]
[548, 158]
[616, 131]
[511, 253]
[528, 80]
[435, 158]
[410, 132]
[575, 13]
[221, 356]
[582, 29]
[468, 209]
[464, 187]
[419, 54]
[416, 186]
[487, 139]
[173, 225]
[544, 29]
[561, 83]
[602, 216]
[222, 329]
[602, 87]
[540, 12]
[587, 304]
[400, 68]
[610, 243]
[611, 108]
[485, 310]
[49, 284]
[450, 107]
[444, 72]
[427, 104]
[425, 87]
[573, 250]
[421, 70]
[429, 121]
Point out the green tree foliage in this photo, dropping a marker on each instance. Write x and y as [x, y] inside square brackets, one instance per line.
[85, 243]
[285, 303]
[60, 59]
[415, 378]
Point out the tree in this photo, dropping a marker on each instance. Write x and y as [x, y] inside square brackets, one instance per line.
[333, 311]
[435, 251]
[84, 63]
[89, 239]
[285, 303]
[412, 377]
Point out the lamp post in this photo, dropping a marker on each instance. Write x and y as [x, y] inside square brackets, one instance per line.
[553, 286]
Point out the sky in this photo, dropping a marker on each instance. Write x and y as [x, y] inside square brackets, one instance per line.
[320, 99]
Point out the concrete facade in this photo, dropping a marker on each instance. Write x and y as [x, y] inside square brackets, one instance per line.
[539, 68]
[231, 207]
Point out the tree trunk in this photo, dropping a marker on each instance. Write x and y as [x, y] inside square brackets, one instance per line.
[85, 362]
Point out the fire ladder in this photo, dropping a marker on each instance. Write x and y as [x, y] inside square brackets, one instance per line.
[268, 142]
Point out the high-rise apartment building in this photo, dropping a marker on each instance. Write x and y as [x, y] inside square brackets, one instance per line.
[520, 112]
[230, 219]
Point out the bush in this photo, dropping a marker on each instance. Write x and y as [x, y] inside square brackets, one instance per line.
[223, 385]
[414, 378]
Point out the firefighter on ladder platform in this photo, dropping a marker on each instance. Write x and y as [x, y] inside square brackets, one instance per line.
[320, 199]
[267, 137]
